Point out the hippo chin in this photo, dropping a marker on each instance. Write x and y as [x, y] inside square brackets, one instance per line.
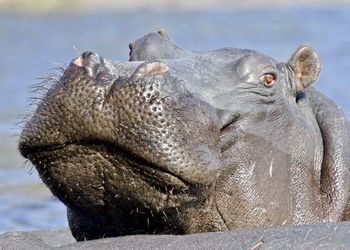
[180, 142]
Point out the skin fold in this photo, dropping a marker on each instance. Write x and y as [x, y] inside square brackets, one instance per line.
[178, 142]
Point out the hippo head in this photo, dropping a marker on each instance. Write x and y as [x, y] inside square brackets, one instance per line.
[180, 142]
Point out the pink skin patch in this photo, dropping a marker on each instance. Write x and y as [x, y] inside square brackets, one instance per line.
[79, 61]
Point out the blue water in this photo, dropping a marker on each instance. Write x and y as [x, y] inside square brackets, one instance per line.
[31, 47]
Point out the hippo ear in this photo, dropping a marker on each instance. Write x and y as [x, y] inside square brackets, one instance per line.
[150, 69]
[306, 65]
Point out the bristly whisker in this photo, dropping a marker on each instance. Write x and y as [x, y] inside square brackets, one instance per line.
[77, 50]
[38, 90]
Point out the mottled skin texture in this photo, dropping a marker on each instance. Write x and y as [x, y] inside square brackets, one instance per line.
[190, 142]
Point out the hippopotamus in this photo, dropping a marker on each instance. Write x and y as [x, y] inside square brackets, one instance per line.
[181, 142]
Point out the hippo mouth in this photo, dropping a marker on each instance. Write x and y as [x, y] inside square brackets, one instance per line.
[156, 176]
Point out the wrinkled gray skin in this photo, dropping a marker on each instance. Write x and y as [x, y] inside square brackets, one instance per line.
[190, 142]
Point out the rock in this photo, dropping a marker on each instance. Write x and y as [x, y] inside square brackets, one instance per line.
[320, 236]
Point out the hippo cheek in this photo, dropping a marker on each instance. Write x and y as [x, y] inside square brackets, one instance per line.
[254, 184]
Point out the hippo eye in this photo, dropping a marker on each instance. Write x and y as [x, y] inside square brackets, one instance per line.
[268, 79]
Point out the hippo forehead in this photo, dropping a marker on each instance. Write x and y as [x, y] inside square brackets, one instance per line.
[156, 46]
[213, 76]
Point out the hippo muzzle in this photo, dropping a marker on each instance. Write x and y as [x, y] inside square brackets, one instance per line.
[107, 142]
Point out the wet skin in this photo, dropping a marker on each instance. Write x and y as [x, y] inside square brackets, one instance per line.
[181, 142]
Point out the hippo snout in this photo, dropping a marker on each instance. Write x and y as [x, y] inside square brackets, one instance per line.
[133, 110]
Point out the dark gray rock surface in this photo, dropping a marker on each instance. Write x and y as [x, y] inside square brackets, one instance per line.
[321, 236]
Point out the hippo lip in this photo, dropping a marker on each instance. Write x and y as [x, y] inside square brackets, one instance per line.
[156, 175]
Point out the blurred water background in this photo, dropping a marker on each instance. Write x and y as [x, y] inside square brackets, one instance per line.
[34, 43]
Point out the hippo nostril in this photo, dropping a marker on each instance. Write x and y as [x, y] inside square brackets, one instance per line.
[91, 58]
[86, 55]
[91, 62]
